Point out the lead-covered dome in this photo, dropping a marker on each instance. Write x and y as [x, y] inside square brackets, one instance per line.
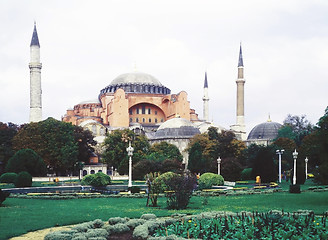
[176, 128]
[136, 82]
[266, 131]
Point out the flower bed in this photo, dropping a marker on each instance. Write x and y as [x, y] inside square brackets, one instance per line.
[302, 224]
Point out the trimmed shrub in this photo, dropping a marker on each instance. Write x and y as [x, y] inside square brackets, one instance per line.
[115, 220]
[246, 174]
[24, 179]
[141, 232]
[207, 180]
[96, 180]
[117, 228]
[91, 233]
[133, 223]
[148, 216]
[9, 177]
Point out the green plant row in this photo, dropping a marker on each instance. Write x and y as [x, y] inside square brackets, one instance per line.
[271, 225]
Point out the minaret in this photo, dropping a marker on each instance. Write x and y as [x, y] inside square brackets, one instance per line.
[35, 79]
[240, 128]
[205, 100]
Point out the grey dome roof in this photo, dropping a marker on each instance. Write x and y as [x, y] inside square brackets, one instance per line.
[136, 82]
[136, 78]
[266, 130]
[176, 128]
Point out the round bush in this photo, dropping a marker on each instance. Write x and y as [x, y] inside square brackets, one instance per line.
[96, 180]
[24, 179]
[9, 177]
[207, 180]
[160, 182]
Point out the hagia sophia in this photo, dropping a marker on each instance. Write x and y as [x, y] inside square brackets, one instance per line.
[140, 102]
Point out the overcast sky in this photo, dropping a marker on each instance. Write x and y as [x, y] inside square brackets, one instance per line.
[86, 44]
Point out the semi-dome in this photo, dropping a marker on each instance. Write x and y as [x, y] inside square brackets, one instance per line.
[266, 131]
[176, 128]
[136, 82]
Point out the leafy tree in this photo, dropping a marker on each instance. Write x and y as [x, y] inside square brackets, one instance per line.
[7, 133]
[321, 175]
[163, 150]
[296, 128]
[264, 165]
[196, 162]
[115, 145]
[53, 140]
[86, 143]
[27, 160]
[231, 169]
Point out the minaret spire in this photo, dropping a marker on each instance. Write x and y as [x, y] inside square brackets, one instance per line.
[35, 78]
[239, 127]
[205, 100]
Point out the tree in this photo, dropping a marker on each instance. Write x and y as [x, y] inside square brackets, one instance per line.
[53, 140]
[231, 169]
[115, 145]
[27, 160]
[86, 143]
[264, 164]
[289, 146]
[196, 162]
[321, 175]
[296, 128]
[7, 133]
[163, 150]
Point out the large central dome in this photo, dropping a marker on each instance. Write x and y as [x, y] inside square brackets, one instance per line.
[136, 78]
[136, 82]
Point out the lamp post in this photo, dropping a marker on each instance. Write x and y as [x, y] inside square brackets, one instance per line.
[219, 165]
[306, 162]
[295, 157]
[279, 152]
[130, 153]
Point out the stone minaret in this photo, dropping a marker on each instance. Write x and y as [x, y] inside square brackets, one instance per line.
[205, 100]
[239, 127]
[35, 79]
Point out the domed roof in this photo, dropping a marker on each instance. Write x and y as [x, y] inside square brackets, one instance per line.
[136, 82]
[266, 130]
[136, 78]
[177, 128]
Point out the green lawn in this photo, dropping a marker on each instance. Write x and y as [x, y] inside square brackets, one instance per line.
[18, 216]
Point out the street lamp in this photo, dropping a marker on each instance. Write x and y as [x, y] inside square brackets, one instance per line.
[295, 157]
[306, 162]
[130, 153]
[219, 165]
[279, 152]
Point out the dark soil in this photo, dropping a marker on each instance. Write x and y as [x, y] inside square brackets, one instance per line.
[124, 236]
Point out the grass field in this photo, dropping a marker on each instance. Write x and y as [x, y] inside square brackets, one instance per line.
[18, 216]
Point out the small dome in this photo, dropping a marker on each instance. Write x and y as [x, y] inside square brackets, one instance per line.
[177, 128]
[136, 78]
[266, 131]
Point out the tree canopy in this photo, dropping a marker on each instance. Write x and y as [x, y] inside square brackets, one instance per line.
[7, 133]
[58, 143]
[27, 160]
[115, 146]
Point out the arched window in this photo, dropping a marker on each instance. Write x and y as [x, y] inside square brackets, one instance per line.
[92, 172]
